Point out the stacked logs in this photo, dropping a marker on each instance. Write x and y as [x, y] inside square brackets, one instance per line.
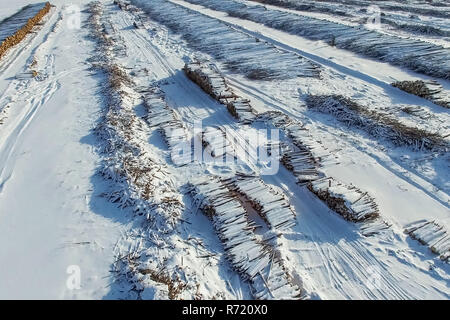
[347, 200]
[430, 90]
[215, 141]
[432, 235]
[303, 157]
[272, 206]
[255, 261]
[20, 34]
[298, 156]
[160, 115]
[375, 123]
[213, 83]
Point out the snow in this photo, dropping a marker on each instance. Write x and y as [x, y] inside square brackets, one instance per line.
[70, 140]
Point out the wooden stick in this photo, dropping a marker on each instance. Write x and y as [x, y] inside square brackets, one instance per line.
[267, 285]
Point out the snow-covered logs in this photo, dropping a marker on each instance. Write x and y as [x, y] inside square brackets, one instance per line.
[432, 235]
[254, 260]
[212, 82]
[377, 124]
[160, 115]
[347, 200]
[15, 28]
[430, 90]
[271, 205]
[297, 155]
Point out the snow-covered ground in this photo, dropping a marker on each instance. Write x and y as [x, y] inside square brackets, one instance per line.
[78, 196]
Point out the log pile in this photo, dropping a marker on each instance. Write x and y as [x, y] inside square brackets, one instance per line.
[147, 264]
[376, 124]
[302, 164]
[19, 34]
[160, 115]
[374, 227]
[139, 182]
[241, 109]
[272, 206]
[420, 56]
[213, 83]
[304, 156]
[432, 235]
[214, 140]
[418, 111]
[297, 156]
[237, 50]
[256, 262]
[433, 9]
[430, 90]
[347, 200]
[417, 27]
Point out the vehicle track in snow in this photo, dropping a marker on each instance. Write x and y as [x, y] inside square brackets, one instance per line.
[25, 97]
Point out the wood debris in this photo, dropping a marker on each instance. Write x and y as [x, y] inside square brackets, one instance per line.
[212, 82]
[432, 235]
[430, 90]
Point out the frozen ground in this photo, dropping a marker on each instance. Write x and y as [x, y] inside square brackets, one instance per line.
[87, 178]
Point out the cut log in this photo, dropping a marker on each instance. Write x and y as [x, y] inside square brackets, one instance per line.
[248, 256]
[347, 200]
[271, 205]
[212, 82]
[432, 235]
[165, 118]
